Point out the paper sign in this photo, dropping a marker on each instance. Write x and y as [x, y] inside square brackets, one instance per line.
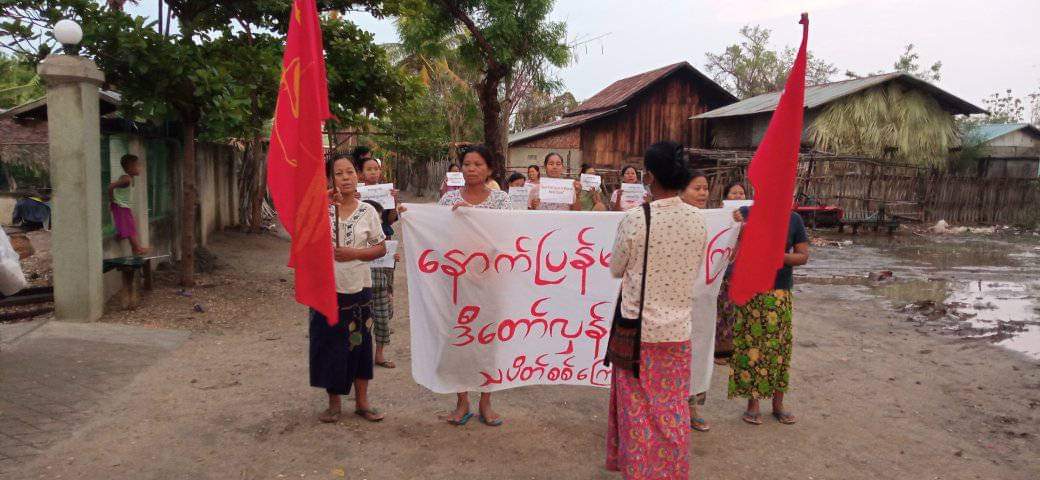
[386, 261]
[490, 308]
[519, 197]
[632, 195]
[556, 190]
[590, 182]
[379, 193]
[737, 203]
[455, 179]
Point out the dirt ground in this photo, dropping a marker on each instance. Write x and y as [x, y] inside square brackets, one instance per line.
[877, 397]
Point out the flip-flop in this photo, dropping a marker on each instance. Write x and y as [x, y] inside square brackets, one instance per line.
[461, 421]
[387, 364]
[700, 425]
[752, 418]
[785, 418]
[369, 414]
[491, 423]
[328, 417]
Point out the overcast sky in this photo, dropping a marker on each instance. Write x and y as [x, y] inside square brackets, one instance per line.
[985, 46]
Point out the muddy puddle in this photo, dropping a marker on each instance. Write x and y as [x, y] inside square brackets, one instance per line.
[978, 288]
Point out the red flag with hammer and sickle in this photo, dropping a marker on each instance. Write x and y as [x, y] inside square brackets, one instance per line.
[296, 161]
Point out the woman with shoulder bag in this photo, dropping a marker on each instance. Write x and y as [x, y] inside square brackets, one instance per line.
[657, 250]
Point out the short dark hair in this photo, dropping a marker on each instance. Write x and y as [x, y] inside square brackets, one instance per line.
[127, 160]
[586, 166]
[627, 167]
[731, 186]
[535, 167]
[550, 155]
[516, 176]
[359, 151]
[479, 149]
[379, 208]
[331, 162]
[667, 162]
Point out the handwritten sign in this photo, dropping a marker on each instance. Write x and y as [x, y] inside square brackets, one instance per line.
[386, 261]
[503, 299]
[519, 197]
[732, 204]
[556, 190]
[379, 193]
[632, 195]
[590, 182]
[455, 179]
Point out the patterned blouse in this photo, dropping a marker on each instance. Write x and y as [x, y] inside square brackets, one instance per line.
[361, 230]
[498, 200]
[677, 239]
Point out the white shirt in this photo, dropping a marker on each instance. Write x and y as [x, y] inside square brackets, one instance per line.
[362, 229]
[677, 239]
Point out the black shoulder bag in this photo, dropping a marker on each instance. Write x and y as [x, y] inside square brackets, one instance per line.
[625, 333]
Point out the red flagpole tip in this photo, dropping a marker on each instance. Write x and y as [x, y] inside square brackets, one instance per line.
[805, 18]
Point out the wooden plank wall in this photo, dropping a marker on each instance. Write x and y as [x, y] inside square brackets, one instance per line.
[861, 186]
[662, 113]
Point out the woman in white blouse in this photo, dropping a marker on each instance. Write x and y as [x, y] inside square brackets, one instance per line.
[341, 354]
[648, 424]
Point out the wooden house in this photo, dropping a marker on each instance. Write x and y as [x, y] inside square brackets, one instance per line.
[862, 116]
[614, 127]
[1009, 150]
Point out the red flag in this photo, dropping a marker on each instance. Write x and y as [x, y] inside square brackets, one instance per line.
[296, 162]
[772, 173]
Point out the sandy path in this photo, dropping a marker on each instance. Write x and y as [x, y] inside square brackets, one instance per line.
[875, 398]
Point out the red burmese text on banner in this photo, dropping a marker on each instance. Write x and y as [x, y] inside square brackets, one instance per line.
[772, 173]
[296, 164]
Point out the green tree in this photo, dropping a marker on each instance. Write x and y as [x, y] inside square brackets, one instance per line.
[214, 74]
[909, 62]
[497, 37]
[753, 67]
[541, 108]
[417, 132]
[19, 82]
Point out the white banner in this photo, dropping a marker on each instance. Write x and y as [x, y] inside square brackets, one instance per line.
[381, 194]
[556, 190]
[502, 298]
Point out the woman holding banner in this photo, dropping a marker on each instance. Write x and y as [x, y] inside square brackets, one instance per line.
[477, 166]
[554, 169]
[726, 309]
[341, 354]
[445, 188]
[371, 173]
[656, 252]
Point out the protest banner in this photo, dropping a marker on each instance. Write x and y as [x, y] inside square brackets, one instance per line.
[733, 204]
[379, 193]
[502, 299]
[386, 261]
[455, 179]
[556, 190]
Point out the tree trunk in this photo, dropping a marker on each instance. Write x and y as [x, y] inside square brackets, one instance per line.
[251, 185]
[487, 92]
[188, 200]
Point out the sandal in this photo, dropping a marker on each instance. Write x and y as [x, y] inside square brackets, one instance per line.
[458, 422]
[370, 414]
[491, 423]
[752, 418]
[784, 418]
[387, 364]
[700, 425]
[328, 416]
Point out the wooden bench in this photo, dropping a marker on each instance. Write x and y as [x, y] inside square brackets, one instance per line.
[130, 294]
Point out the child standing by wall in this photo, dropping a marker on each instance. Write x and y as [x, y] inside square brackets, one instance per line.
[121, 193]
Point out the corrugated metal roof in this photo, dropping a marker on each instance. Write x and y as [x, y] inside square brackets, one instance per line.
[108, 100]
[991, 131]
[565, 122]
[621, 91]
[818, 95]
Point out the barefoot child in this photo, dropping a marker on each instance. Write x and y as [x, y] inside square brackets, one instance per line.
[121, 193]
